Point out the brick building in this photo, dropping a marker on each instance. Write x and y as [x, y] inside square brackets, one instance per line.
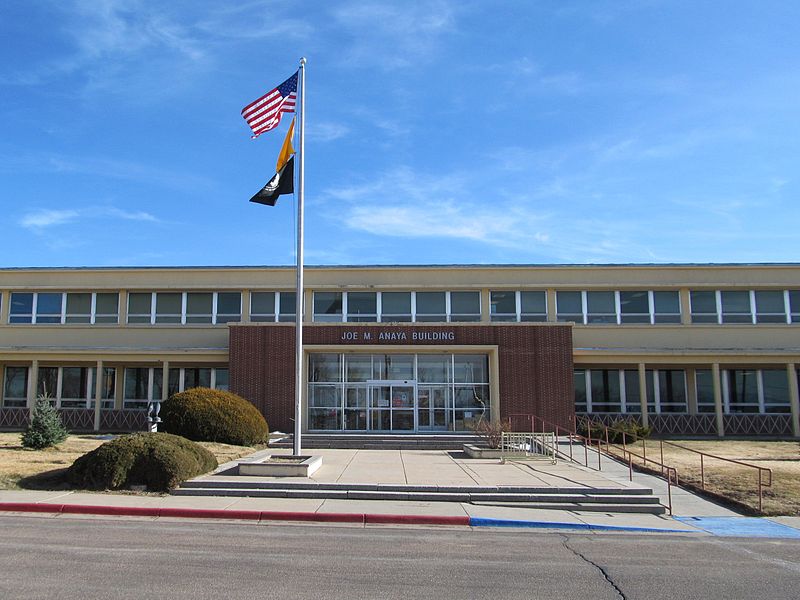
[689, 349]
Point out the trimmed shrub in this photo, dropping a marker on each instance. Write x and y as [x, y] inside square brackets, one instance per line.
[46, 428]
[631, 426]
[207, 415]
[159, 461]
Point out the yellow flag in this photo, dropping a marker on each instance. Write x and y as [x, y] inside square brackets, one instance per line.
[286, 150]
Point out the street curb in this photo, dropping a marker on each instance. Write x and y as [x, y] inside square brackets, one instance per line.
[249, 515]
[488, 522]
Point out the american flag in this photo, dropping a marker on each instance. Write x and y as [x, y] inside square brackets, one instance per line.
[265, 113]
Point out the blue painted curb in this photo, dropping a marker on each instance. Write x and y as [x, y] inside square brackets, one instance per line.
[751, 527]
[487, 522]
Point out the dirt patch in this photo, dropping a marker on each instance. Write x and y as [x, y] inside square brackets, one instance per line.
[43, 468]
[737, 482]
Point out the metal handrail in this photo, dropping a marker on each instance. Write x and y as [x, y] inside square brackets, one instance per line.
[761, 483]
[668, 472]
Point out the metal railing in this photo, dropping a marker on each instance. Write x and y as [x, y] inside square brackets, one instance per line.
[763, 475]
[571, 437]
[526, 446]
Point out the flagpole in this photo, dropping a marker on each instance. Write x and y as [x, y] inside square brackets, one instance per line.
[298, 394]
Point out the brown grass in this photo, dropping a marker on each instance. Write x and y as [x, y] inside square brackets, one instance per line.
[737, 482]
[18, 463]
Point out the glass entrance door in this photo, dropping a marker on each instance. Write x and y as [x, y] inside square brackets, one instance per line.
[392, 405]
[432, 413]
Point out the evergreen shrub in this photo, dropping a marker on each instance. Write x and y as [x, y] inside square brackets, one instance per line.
[159, 461]
[632, 428]
[207, 415]
[46, 428]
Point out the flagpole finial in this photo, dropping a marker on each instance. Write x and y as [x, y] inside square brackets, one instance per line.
[302, 61]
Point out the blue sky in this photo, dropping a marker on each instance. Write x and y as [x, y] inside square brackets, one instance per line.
[437, 132]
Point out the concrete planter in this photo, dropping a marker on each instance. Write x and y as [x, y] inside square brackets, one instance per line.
[481, 451]
[281, 466]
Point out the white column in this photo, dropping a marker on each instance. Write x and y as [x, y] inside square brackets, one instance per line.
[32, 380]
[98, 393]
[794, 398]
[718, 399]
[643, 394]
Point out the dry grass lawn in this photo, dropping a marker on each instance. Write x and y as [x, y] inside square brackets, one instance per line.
[17, 463]
[735, 481]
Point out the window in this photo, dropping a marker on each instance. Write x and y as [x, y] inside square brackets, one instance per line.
[632, 402]
[704, 307]
[47, 383]
[327, 307]
[199, 307]
[106, 308]
[74, 387]
[775, 391]
[21, 308]
[288, 307]
[262, 306]
[704, 390]
[600, 307]
[605, 391]
[79, 308]
[670, 395]
[465, 306]
[794, 304]
[431, 307]
[579, 381]
[533, 306]
[107, 387]
[770, 306]
[634, 307]
[736, 307]
[48, 307]
[396, 307]
[741, 391]
[59, 307]
[666, 307]
[15, 387]
[169, 307]
[184, 307]
[569, 306]
[138, 390]
[503, 306]
[140, 307]
[196, 377]
[362, 307]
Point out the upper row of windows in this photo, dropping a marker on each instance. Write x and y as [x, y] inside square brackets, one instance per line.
[584, 307]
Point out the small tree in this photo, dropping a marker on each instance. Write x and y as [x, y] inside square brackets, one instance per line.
[46, 428]
[492, 432]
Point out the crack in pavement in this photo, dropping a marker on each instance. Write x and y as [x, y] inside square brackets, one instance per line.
[603, 572]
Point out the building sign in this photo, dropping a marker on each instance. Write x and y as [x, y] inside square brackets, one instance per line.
[407, 335]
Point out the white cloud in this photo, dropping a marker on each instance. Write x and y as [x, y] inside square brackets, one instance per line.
[40, 219]
[326, 132]
[391, 35]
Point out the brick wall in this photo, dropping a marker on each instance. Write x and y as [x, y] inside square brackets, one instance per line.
[535, 361]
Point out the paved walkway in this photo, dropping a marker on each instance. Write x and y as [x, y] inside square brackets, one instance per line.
[421, 467]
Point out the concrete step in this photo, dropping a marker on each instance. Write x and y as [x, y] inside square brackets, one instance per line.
[425, 441]
[250, 483]
[584, 502]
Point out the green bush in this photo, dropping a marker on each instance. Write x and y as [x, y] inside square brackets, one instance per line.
[207, 415]
[46, 428]
[632, 427]
[159, 461]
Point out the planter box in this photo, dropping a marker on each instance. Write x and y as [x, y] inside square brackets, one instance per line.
[481, 451]
[281, 465]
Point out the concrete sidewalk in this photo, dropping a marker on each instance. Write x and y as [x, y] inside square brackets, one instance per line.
[408, 467]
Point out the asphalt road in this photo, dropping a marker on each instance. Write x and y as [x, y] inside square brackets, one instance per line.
[88, 558]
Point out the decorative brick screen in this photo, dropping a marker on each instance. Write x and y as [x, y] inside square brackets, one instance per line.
[535, 361]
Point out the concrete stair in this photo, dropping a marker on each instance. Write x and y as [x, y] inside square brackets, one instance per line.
[381, 441]
[611, 499]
